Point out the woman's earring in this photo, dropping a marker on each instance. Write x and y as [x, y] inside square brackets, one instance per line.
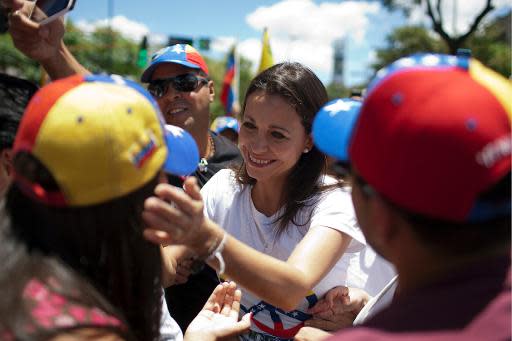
[306, 150]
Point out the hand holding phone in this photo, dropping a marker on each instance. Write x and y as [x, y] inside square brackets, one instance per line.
[45, 11]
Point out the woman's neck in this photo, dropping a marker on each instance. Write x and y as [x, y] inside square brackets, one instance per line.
[267, 196]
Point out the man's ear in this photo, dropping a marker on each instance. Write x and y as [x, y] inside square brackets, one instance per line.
[6, 160]
[309, 142]
[211, 89]
[387, 222]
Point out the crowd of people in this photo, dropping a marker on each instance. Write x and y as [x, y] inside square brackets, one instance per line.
[126, 214]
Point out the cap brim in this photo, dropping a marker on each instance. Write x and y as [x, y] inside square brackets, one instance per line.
[146, 75]
[333, 127]
[183, 154]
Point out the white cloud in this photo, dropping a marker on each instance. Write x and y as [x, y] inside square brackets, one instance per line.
[222, 44]
[466, 11]
[128, 28]
[321, 23]
[303, 31]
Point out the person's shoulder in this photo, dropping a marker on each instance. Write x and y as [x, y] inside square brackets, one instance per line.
[226, 174]
[334, 188]
[225, 150]
[222, 181]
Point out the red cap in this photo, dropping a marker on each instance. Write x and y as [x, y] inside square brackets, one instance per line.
[433, 134]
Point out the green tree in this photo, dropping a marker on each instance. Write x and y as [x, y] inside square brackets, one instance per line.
[407, 40]
[435, 13]
[14, 62]
[105, 50]
[336, 90]
[490, 44]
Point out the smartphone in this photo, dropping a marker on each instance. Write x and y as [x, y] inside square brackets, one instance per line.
[45, 11]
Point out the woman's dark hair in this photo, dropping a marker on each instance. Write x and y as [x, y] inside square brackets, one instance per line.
[15, 93]
[302, 89]
[102, 243]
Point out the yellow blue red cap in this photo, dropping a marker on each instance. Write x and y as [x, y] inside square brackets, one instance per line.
[100, 137]
[182, 54]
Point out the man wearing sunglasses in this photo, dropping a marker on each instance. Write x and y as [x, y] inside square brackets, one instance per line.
[178, 79]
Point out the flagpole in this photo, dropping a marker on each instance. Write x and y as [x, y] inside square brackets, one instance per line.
[236, 90]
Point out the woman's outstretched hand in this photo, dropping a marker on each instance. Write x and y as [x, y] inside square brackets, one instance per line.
[175, 215]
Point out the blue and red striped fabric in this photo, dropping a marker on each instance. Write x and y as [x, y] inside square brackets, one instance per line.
[227, 95]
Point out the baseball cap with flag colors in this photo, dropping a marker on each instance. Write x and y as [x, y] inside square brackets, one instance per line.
[182, 54]
[222, 123]
[101, 138]
[432, 135]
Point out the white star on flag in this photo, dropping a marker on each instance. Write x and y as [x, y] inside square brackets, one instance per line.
[175, 131]
[340, 105]
[178, 49]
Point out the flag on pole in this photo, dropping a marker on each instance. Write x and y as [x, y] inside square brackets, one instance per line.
[142, 58]
[266, 60]
[229, 92]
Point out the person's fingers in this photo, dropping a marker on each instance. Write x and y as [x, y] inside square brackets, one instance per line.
[192, 188]
[336, 293]
[19, 23]
[235, 307]
[320, 306]
[325, 315]
[244, 324]
[228, 299]
[160, 215]
[11, 5]
[212, 303]
[157, 237]
[240, 327]
[180, 198]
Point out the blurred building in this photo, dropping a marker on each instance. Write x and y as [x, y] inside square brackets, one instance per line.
[339, 62]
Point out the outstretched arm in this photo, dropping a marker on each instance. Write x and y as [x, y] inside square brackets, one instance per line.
[284, 284]
[42, 43]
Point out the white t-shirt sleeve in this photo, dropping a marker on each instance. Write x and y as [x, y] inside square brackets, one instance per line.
[335, 210]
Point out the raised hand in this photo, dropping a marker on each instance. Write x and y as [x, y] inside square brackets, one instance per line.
[175, 216]
[38, 42]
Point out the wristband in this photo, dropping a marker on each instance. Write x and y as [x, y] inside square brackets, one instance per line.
[217, 253]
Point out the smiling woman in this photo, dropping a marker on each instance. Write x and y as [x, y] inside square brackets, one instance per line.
[287, 231]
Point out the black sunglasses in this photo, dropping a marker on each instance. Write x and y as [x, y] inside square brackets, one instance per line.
[185, 83]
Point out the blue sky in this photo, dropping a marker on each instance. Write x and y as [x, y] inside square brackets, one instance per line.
[300, 30]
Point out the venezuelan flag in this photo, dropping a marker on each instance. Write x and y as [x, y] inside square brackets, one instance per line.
[228, 93]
